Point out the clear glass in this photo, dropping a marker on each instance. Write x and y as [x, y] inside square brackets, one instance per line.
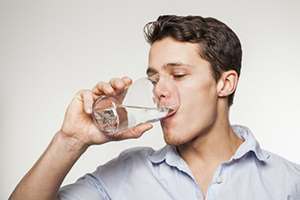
[136, 105]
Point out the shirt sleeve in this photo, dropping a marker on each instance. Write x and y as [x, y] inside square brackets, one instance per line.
[107, 181]
[294, 170]
[86, 187]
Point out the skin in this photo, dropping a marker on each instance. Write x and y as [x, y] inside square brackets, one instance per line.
[199, 128]
[76, 134]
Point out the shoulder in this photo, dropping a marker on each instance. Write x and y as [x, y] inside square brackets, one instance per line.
[129, 157]
[289, 168]
[136, 153]
[284, 171]
[128, 161]
[109, 179]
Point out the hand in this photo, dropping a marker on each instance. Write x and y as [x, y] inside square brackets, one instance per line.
[78, 122]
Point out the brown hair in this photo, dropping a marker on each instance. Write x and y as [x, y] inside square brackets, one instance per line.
[219, 45]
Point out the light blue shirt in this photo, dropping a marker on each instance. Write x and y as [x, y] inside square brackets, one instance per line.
[142, 173]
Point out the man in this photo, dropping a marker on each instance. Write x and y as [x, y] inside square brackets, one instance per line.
[205, 157]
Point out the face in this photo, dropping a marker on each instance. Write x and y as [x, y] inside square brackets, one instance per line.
[181, 64]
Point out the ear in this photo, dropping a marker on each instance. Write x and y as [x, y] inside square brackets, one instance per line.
[227, 83]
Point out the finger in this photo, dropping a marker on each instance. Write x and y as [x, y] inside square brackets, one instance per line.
[139, 130]
[103, 88]
[134, 132]
[88, 100]
[127, 80]
[142, 128]
[118, 84]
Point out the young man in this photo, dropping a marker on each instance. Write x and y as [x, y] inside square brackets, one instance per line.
[205, 157]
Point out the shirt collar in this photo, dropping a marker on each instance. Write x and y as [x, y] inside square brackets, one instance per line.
[161, 155]
[169, 153]
[250, 144]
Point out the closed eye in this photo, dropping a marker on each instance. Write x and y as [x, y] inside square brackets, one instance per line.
[177, 76]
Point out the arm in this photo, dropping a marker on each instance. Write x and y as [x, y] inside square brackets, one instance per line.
[45, 177]
[78, 132]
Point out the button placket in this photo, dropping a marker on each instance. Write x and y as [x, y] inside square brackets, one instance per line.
[219, 179]
[220, 175]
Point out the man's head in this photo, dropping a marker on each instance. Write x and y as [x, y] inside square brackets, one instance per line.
[203, 57]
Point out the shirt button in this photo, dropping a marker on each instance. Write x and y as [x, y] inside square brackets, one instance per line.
[219, 180]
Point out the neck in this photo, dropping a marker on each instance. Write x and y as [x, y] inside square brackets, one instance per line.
[213, 146]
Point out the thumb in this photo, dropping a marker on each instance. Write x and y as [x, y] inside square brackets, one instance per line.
[134, 132]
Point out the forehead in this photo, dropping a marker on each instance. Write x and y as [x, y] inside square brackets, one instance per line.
[169, 52]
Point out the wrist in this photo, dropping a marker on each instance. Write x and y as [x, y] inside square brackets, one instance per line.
[70, 142]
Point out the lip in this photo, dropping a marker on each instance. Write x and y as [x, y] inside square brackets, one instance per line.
[169, 116]
[173, 108]
[173, 111]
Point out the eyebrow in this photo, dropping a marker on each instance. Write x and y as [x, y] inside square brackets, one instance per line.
[151, 70]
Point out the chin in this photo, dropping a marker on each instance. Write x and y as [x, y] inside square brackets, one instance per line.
[173, 136]
[172, 140]
[178, 134]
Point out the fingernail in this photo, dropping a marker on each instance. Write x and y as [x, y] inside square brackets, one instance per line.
[111, 90]
[150, 126]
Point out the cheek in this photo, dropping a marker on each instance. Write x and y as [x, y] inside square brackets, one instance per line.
[198, 94]
[199, 103]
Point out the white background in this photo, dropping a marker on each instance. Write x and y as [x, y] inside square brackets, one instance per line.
[51, 49]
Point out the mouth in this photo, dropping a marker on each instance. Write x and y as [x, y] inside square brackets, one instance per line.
[171, 109]
[170, 114]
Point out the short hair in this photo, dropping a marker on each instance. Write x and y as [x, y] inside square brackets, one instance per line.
[219, 45]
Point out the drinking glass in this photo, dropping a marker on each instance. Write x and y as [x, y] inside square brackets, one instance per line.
[138, 104]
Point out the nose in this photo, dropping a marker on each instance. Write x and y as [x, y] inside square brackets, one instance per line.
[166, 93]
[163, 90]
